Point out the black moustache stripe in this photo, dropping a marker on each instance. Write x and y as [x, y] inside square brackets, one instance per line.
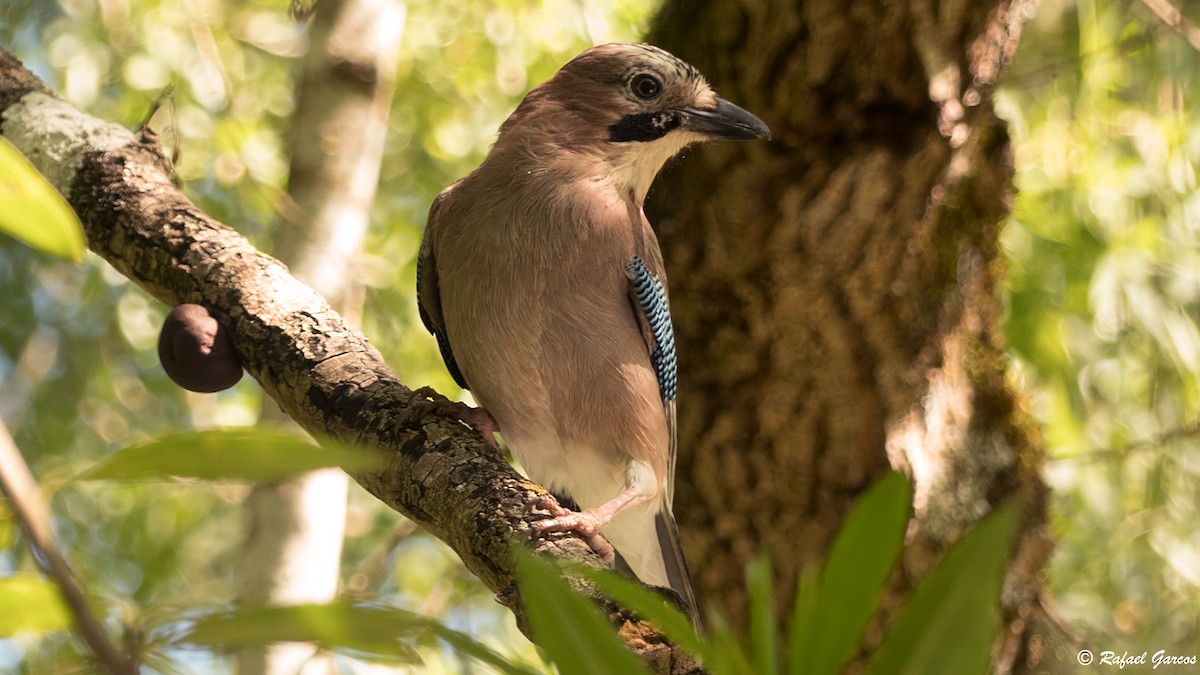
[642, 127]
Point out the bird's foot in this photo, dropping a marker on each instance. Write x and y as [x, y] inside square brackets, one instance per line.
[586, 524]
[426, 400]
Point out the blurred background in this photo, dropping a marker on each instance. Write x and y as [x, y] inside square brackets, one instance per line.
[1103, 304]
[1102, 295]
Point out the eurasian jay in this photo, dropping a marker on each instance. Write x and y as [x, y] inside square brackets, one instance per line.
[543, 283]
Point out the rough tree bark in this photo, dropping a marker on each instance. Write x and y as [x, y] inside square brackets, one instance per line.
[835, 291]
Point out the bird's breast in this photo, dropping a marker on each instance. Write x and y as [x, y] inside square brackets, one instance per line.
[540, 320]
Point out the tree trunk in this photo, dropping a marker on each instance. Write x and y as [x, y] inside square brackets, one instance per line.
[835, 291]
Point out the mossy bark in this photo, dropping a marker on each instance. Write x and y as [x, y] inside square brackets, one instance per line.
[836, 290]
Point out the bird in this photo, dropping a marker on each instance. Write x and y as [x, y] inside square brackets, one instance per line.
[544, 285]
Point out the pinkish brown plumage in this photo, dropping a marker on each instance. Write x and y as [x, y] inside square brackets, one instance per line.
[544, 284]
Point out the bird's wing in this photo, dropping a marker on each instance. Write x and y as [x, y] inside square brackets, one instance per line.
[649, 299]
[429, 299]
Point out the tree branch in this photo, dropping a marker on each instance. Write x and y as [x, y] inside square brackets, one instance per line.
[29, 508]
[320, 372]
[1170, 15]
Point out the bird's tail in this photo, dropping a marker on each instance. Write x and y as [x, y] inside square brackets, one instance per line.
[677, 569]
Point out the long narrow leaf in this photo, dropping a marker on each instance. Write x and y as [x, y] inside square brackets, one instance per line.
[950, 621]
[726, 656]
[250, 454]
[568, 626]
[652, 607]
[805, 615]
[363, 628]
[763, 640]
[852, 581]
[367, 630]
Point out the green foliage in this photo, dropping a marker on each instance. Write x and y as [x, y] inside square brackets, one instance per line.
[368, 631]
[830, 616]
[1103, 298]
[1103, 253]
[651, 606]
[30, 604]
[32, 211]
[567, 625]
[250, 454]
[948, 624]
[764, 644]
[364, 631]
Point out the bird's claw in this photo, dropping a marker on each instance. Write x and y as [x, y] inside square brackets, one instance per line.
[583, 523]
[427, 400]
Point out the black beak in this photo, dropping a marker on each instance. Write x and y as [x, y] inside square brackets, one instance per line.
[726, 122]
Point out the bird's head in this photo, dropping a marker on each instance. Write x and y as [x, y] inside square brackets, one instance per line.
[627, 109]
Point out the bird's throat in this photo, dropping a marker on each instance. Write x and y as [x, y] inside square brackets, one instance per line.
[637, 165]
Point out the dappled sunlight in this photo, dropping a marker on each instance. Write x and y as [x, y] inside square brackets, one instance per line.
[79, 380]
[1104, 300]
[1101, 296]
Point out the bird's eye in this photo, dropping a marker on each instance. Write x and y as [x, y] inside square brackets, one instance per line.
[645, 86]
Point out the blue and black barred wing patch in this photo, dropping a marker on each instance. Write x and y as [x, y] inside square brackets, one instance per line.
[652, 300]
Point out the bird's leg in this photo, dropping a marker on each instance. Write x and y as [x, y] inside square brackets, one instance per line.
[587, 523]
[559, 513]
[426, 400]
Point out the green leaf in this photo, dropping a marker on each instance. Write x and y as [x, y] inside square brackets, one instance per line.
[7, 526]
[763, 642]
[949, 623]
[853, 578]
[33, 211]
[364, 629]
[720, 653]
[650, 606]
[30, 604]
[251, 454]
[726, 655]
[805, 616]
[568, 626]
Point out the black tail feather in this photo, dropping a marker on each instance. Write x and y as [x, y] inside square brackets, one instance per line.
[677, 568]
